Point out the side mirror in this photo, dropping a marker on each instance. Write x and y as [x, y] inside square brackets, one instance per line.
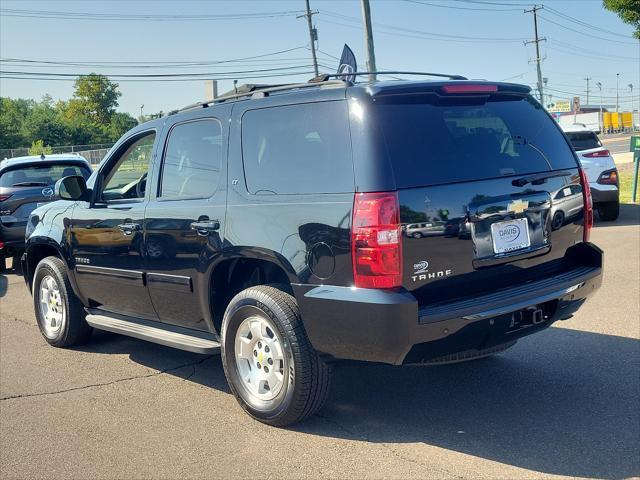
[72, 188]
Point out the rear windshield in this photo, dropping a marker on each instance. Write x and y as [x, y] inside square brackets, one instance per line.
[40, 175]
[583, 140]
[434, 141]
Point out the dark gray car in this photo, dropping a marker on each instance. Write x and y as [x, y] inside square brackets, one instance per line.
[25, 183]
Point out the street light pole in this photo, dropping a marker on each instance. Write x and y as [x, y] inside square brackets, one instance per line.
[601, 120]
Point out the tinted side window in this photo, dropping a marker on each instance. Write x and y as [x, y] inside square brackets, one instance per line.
[302, 148]
[434, 141]
[583, 140]
[192, 160]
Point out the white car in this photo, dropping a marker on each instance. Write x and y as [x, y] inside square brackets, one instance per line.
[600, 169]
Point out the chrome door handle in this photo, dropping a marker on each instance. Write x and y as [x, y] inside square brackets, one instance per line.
[205, 227]
[129, 228]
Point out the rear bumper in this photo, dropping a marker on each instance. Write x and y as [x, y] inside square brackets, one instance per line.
[604, 193]
[390, 327]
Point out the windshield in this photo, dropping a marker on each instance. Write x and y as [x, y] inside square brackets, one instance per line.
[433, 140]
[40, 175]
[583, 140]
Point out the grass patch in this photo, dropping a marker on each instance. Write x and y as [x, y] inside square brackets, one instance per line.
[626, 183]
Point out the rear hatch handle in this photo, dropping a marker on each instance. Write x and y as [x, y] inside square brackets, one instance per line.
[538, 179]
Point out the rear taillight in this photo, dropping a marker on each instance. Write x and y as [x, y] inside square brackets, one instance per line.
[376, 241]
[4, 197]
[469, 88]
[598, 154]
[608, 177]
[1, 245]
[588, 206]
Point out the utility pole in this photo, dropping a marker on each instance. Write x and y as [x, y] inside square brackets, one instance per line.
[537, 42]
[371, 56]
[313, 35]
[617, 93]
[601, 119]
[588, 79]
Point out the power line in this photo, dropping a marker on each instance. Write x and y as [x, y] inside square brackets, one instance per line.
[212, 77]
[569, 18]
[156, 75]
[464, 8]
[428, 35]
[586, 34]
[47, 14]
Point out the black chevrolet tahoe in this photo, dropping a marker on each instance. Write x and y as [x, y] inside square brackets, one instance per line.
[271, 225]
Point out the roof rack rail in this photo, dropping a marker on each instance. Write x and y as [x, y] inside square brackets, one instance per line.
[258, 91]
[327, 76]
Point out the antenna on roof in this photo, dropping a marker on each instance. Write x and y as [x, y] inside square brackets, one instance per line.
[42, 156]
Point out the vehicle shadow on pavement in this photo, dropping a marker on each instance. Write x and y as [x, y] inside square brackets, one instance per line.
[563, 402]
[629, 215]
[205, 370]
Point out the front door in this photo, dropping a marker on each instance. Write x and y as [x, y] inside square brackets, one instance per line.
[184, 222]
[106, 235]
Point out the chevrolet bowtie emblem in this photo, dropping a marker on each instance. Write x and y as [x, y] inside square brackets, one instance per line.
[517, 206]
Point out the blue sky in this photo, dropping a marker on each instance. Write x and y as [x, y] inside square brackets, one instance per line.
[475, 38]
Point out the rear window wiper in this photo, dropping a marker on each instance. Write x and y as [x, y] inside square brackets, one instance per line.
[30, 184]
[538, 179]
[520, 140]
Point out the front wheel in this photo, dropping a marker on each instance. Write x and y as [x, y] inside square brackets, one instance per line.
[60, 315]
[609, 211]
[272, 369]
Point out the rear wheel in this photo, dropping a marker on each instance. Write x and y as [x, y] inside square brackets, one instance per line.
[609, 211]
[272, 369]
[60, 315]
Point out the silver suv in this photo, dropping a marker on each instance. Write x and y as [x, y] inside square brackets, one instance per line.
[600, 168]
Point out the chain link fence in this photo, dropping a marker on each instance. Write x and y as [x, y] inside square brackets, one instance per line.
[93, 153]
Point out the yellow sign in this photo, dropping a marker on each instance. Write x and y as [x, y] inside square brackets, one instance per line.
[560, 106]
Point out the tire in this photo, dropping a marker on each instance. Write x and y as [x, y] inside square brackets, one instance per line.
[609, 211]
[305, 377]
[70, 328]
[558, 220]
[417, 235]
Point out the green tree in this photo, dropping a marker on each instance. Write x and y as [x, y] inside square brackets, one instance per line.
[43, 122]
[119, 124]
[628, 11]
[95, 97]
[13, 113]
[38, 148]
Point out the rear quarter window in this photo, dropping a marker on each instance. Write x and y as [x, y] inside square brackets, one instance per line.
[298, 149]
[437, 141]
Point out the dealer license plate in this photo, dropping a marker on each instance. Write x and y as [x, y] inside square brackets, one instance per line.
[510, 236]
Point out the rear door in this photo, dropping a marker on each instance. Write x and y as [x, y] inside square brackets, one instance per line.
[488, 167]
[184, 222]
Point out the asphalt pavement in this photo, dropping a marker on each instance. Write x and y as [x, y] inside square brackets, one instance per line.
[616, 143]
[564, 402]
